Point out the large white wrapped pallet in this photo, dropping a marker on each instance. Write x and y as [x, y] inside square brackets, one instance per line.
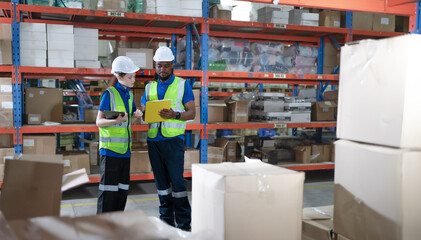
[247, 201]
[379, 92]
[377, 192]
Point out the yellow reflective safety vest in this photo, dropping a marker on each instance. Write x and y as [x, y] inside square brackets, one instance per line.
[117, 137]
[175, 92]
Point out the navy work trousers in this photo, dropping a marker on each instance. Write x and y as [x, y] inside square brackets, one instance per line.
[167, 161]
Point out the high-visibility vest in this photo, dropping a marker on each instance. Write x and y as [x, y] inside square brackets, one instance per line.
[175, 92]
[117, 137]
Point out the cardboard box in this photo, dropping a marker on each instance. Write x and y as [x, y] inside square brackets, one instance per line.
[112, 5]
[383, 22]
[34, 118]
[329, 18]
[139, 162]
[321, 152]
[216, 154]
[217, 111]
[6, 118]
[61, 62]
[33, 62]
[59, 28]
[5, 52]
[6, 140]
[61, 37]
[196, 94]
[5, 31]
[220, 11]
[39, 144]
[34, 36]
[46, 101]
[93, 149]
[91, 115]
[196, 119]
[141, 57]
[60, 54]
[362, 21]
[1, 173]
[87, 64]
[73, 161]
[218, 205]
[67, 45]
[191, 156]
[302, 154]
[331, 95]
[318, 223]
[33, 45]
[39, 192]
[6, 153]
[323, 111]
[391, 211]
[32, 27]
[85, 32]
[6, 85]
[393, 118]
[238, 111]
[231, 150]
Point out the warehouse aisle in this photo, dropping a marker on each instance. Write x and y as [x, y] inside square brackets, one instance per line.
[318, 191]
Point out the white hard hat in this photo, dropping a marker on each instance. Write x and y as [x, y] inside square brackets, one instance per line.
[163, 54]
[123, 64]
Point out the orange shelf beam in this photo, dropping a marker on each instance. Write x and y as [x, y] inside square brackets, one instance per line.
[6, 68]
[99, 13]
[66, 128]
[255, 125]
[7, 130]
[310, 167]
[379, 6]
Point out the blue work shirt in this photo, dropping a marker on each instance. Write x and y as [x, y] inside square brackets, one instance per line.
[162, 88]
[105, 106]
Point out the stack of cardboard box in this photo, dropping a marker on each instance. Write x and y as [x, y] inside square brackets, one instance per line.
[303, 17]
[6, 102]
[60, 41]
[330, 58]
[330, 18]
[5, 44]
[371, 21]
[33, 44]
[378, 160]
[220, 11]
[189, 8]
[272, 15]
[142, 57]
[86, 48]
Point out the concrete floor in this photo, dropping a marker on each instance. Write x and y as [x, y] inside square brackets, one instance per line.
[318, 191]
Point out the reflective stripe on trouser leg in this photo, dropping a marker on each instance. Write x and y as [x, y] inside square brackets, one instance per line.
[164, 192]
[123, 186]
[179, 194]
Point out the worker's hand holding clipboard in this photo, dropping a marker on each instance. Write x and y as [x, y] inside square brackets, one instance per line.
[152, 110]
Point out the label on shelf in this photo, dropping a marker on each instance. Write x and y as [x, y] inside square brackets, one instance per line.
[277, 25]
[320, 77]
[116, 14]
[280, 125]
[28, 142]
[279, 75]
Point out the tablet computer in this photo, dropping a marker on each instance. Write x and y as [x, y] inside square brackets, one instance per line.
[113, 114]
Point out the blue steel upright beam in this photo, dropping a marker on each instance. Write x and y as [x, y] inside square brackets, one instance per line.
[418, 19]
[16, 77]
[174, 46]
[204, 88]
[348, 23]
[320, 63]
[189, 67]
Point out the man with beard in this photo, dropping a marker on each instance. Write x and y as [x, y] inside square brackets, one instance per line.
[166, 139]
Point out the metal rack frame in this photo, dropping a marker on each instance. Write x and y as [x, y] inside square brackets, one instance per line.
[143, 26]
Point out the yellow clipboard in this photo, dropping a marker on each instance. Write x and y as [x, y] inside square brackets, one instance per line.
[152, 110]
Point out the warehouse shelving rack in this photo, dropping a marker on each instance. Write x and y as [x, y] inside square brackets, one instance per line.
[137, 26]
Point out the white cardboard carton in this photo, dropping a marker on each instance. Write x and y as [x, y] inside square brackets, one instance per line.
[32, 27]
[87, 64]
[84, 42]
[59, 28]
[60, 37]
[247, 201]
[61, 45]
[61, 54]
[33, 36]
[379, 92]
[86, 53]
[26, 53]
[33, 45]
[33, 62]
[85, 32]
[61, 62]
[377, 192]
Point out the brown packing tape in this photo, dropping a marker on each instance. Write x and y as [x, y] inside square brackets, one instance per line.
[355, 220]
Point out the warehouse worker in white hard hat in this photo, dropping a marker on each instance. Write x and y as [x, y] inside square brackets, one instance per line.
[166, 139]
[115, 136]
